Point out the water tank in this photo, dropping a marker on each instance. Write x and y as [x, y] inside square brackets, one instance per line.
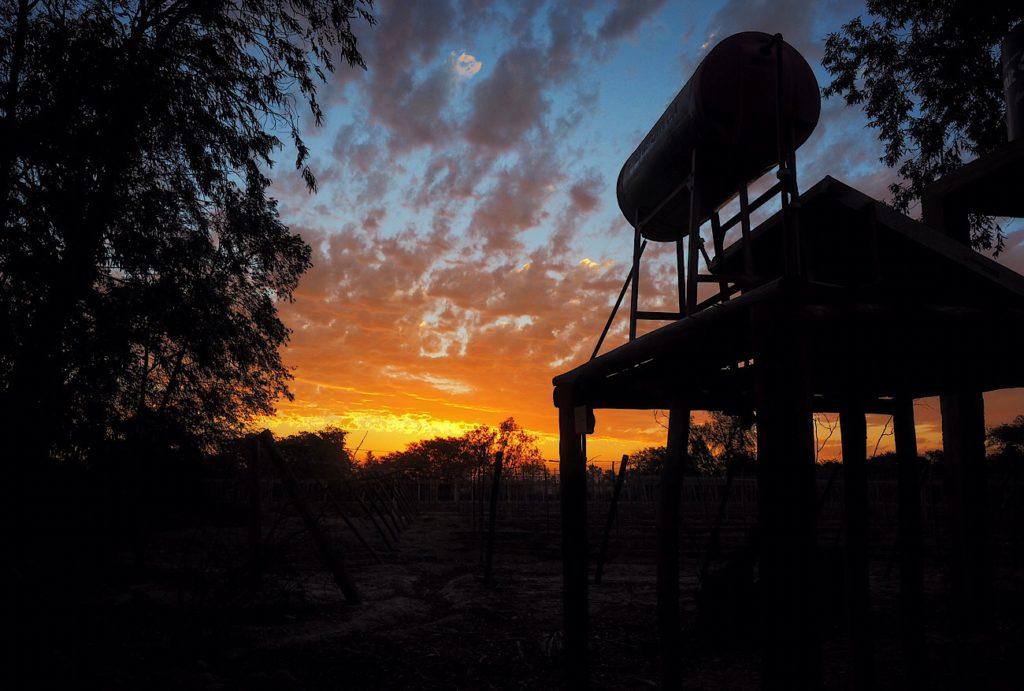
[727, 110]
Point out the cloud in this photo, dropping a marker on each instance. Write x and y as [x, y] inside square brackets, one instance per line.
[794, 19]
[626, 18]
[516, 201]
[509, 101]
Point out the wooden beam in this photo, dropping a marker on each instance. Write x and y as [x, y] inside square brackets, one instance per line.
[573, 475]
[855, 514]
[670, 490]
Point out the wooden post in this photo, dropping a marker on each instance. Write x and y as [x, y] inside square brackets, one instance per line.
[911, 544]
[786, 489]
[855, 513]
[963, 444]
[331, 557]
[573, 486]
[492, 519]
[611, 518]
[716, 529]
[667, 519]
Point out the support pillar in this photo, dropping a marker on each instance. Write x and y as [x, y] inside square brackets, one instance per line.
[670, 491]
[911, 543]
[963, 445]
[855, 513]
[573, 482]
[786, 505]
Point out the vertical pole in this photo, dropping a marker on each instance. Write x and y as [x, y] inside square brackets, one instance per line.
[634, 292]
[670, 489]
[718, 239]
[853, 428]
[748, 250]
[786, 490]
[910, 542]
[492, 518]
[573, 485]
[716, 529]
[688, 295]
[611, 518]
[963, 444]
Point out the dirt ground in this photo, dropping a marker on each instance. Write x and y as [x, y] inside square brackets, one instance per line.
[181, 619]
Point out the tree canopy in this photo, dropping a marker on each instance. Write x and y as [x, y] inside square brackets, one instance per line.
[927, 75]
[713, 445]
[141, 258]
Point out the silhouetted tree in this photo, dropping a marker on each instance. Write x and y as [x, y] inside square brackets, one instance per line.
[322, 453]
[927, 75]
[449, 458]
[721, 440]
[141, 258]
[1007, 440]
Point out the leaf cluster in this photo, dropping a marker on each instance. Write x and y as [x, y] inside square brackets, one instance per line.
[927, 75]
[141, 259]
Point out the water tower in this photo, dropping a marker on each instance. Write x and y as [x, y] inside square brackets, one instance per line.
[834, 303]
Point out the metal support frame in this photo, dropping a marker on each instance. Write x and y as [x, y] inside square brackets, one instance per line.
[687, 258]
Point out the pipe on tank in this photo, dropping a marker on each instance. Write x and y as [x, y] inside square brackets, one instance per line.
[726, 111]
[1012, 50]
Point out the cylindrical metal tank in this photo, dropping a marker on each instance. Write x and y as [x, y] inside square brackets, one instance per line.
[727, 110]
[1013, 81]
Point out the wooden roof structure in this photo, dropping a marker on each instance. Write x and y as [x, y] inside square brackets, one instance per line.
[887, 305]
[843, 305]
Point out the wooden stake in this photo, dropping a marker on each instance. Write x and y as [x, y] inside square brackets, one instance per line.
[619, 479]
[723, 502]
[331, 557]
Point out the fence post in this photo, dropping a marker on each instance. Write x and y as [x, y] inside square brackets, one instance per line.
[611, 518]
[492, 518]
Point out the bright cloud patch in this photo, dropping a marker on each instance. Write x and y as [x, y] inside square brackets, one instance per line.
[465, 65]
[452, 386]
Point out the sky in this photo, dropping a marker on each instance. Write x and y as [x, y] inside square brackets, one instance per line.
[467, 243]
